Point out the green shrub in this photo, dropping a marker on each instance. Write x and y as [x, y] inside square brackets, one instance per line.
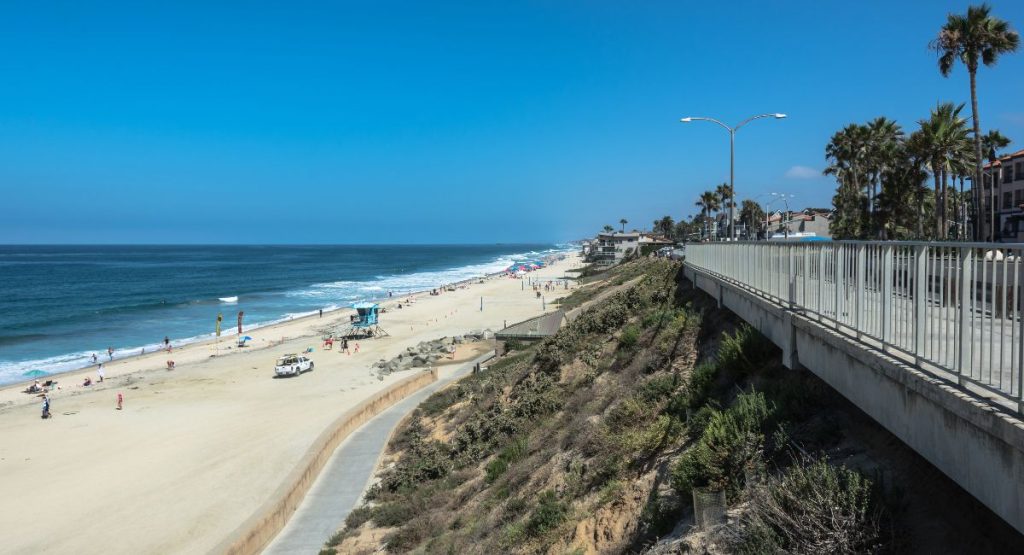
[813, 508]
[733, 440]
[356, 518]
[328, 551]
[393, 513]
[630, 336]
[701, 386]
[513, 345]
[549, 514]
[516, 450]
[423, 462]
[744, 351]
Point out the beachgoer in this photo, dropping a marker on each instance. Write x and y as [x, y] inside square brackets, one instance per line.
[110, 352]
[170, 365]
[120, 400]
[94, 358]
[357, 347]
[46, 406]
[321, 313]
[100, 373]
[167, 341]
[87, 382]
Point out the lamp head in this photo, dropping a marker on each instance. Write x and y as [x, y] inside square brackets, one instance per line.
[780, 116]
[686, 120]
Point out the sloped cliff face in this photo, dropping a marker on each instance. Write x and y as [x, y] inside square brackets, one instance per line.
[593, 441]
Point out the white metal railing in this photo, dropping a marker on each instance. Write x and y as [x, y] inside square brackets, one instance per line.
[948, 309]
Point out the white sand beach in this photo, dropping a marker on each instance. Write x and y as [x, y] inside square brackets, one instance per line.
[197, 450]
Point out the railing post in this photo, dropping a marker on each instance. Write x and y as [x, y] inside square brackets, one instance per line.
[966, 289]
[791, 276]
[820, 306]
[920, 300]
[837, 279]
[886, 302]
[858, 320]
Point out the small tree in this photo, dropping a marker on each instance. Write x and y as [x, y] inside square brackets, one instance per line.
[623, 223]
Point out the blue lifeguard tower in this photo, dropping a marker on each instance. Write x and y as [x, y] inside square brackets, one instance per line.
[365, 320]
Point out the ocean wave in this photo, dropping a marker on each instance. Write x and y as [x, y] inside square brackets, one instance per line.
[328, 295]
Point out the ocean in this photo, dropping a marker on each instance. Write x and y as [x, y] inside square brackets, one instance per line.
[61, 304]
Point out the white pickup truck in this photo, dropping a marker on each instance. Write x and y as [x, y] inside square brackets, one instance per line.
[292, 365]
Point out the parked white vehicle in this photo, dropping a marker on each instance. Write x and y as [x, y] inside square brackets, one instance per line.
[292, 365]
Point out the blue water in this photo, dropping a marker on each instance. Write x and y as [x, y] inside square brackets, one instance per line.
[60, 304]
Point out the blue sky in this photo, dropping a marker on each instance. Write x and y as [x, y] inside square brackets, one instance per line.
[259, 122]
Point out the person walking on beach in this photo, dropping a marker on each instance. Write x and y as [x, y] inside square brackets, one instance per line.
[110, 352]
[321, 313]
[46, 406]
[94, 358]
[100, 373]
[167, 342]
[120, 400]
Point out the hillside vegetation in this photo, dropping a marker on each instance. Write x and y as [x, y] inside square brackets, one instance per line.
[594, 440]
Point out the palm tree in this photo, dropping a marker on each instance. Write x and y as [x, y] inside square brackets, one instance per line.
[752, 213]
[724, 193]
[972, 38]
[846, 154]
[941, 141]
[667, 226]
[991, 143]
[623, 223]
[608, 228]
[708, 201]
[883, 140]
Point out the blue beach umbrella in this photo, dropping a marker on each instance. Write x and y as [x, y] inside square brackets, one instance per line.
[34, 374]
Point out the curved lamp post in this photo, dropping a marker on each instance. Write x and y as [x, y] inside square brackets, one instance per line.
[732, 158]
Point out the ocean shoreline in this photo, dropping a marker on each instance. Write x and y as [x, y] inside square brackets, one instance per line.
[196, 342]
[287, 316]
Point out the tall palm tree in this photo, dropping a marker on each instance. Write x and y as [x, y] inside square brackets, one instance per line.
[941, 141]
[623, 223]
[667, 226]
[724, 193]
[991, 143]
[608, 228]
[973, 38]
[883, 140]
[707, 202]
[846, 154]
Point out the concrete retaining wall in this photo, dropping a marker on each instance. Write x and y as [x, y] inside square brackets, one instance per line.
[977, 445]
[256, 532]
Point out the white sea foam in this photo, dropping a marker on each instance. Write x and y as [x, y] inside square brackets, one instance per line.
[332, 295]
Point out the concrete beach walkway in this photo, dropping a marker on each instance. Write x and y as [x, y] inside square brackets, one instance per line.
[347, 474]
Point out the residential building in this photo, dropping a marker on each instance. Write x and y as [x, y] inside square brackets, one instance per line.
[611, 248]
[1003, 193]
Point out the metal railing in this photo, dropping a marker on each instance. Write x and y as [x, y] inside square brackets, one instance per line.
[953, 310]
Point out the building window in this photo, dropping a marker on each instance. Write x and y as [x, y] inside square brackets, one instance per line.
[1018, 198]
[1008, 174]
[1020, 169]
[1007, 200]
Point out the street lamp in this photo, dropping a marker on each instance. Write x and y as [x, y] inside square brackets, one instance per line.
[785, 199]
[732, 158]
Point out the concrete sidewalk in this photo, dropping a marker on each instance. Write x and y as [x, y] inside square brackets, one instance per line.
[348, 473]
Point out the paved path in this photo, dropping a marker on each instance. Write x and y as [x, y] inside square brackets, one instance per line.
[347, 474]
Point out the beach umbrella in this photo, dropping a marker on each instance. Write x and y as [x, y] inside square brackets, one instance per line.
[247, 338]
[34, 374]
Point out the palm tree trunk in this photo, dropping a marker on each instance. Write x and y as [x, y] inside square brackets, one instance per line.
[938, 211]
[945, 205]
[977, 132]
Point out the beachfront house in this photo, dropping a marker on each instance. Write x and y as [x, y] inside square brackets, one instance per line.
[611, 248]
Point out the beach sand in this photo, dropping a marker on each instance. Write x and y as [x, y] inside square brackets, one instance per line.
[197, 450]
